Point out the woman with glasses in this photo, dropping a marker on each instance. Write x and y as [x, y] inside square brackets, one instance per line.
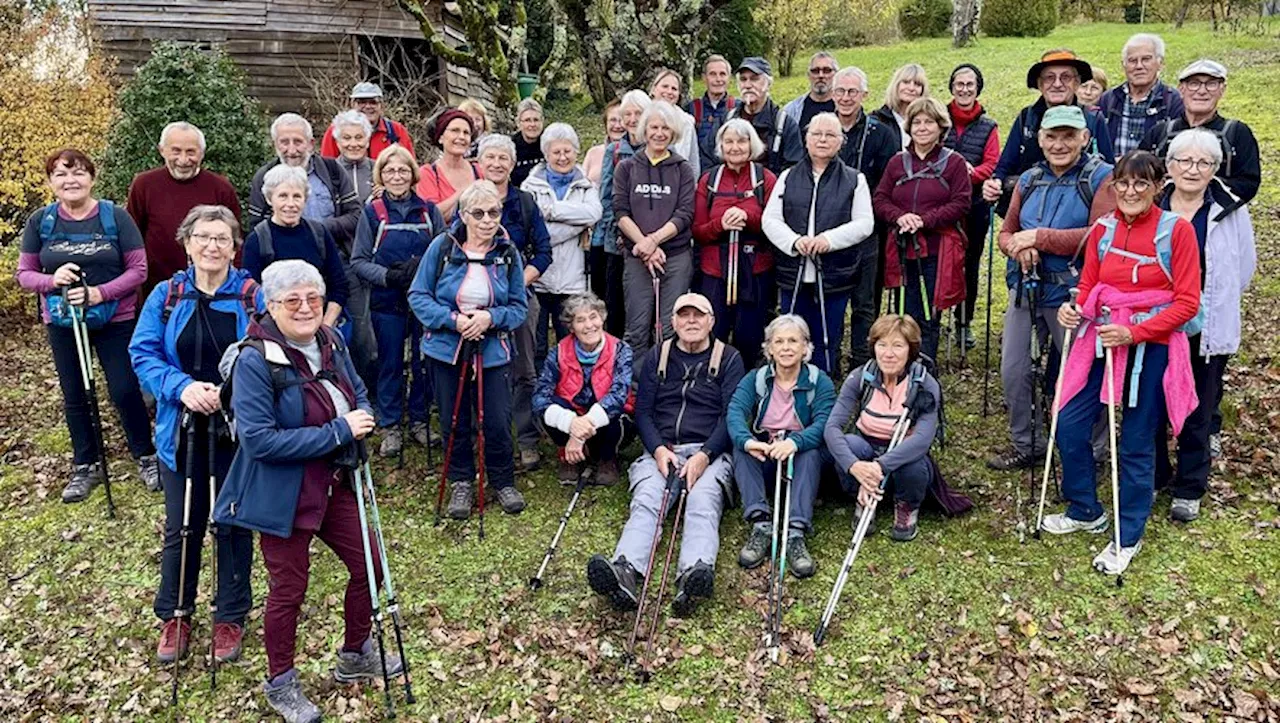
[1140, 300]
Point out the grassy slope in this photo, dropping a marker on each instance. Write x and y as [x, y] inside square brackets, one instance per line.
[966, 623]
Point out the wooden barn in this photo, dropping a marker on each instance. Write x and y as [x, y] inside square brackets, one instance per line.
[285, 46]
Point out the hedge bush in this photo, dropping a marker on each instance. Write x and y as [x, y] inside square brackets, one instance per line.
[925, 19]
[1019, 18]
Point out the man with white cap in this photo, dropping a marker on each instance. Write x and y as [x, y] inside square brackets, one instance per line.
[681, 403]
[367, 98]
[779, 132]
[1202, 85]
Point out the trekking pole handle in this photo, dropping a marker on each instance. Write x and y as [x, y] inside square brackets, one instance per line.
[362, 451]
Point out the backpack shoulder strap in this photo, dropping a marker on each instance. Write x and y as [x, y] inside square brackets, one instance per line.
[266, 247]
[317, 234]
[717, 355]
[47, 219]
[1084, 183]
[1164, 242]
[249, 296]
[713, 185]
[107, 217]
[389, 128]
[757, 183]
[778, 125]
[869, 372]
[813, 388]
[384, 217]
[664, 355]
[174, 291]
[527, 207]
[760, 385]
[696, 106]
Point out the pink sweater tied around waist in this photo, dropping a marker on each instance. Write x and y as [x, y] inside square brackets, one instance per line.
[1179, 383]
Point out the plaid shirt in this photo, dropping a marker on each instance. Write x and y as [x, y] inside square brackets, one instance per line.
[1132, 122]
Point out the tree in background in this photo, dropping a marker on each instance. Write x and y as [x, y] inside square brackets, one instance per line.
[735, 34]
[1019, 18]
[791, 25]
[197, 86]
[924, 18]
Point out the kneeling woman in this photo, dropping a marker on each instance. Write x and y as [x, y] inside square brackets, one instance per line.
[469, 295]
[875, 398]
[777, 412]
[299, 408]
[584, 393]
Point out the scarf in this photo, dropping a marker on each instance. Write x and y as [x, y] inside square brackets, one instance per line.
[587, 358]
[961, 117]
[559, 182]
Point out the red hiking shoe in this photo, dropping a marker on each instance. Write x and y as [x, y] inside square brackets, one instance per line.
[226, 642]
[172, 643]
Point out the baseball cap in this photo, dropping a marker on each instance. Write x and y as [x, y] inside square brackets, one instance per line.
[1063, 116]
[366, 90]
[1204, 66]
[756, 65]
[697, 301]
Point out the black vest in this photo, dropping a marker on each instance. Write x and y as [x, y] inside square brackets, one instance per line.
[835, 192]
[972, 144]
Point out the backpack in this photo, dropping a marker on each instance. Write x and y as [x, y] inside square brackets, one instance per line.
[808, 396]
[1084, 182]
[60, 311]
[1228, 151]
[385, 225]
[697, 107]
[506, 257]
[931, 170]
[917, 402]
[177, 291]
[267, 249]
[757, 186]
[1163, 257]
[280, 379]
[713, 368]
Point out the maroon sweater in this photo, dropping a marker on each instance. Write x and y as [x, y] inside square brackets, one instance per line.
[938, 204]
[158, 203]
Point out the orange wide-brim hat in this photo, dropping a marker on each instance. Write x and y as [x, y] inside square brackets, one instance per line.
[1059, 57]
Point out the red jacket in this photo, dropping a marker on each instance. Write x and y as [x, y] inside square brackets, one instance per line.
[735, 190]
[378, 142]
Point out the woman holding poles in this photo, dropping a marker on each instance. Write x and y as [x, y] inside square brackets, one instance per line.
[185, 326]
[1139, 301]
[728, 207]
[391, 238]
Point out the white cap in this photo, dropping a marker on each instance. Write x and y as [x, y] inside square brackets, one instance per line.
[1204, 66]
[365, 90]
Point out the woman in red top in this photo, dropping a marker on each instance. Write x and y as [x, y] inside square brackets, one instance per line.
[731, 198]
[440, 182]
[924, 197]
[1139, 287]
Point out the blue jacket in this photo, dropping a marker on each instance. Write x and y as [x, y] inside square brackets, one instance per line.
[433, 297]
[154, 349]
[747, 408]
[1022, 148]
[404, 237]
[606, 231]
[261, 489]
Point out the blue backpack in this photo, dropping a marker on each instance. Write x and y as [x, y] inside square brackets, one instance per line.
[60, 311]
[1163, 258]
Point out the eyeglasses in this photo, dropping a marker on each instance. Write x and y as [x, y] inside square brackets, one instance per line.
[204, 239]
[293, 303]
[1124, 185]
[397, 172]
[822, 71]
[479, 213]
[1200, 164]
[1052, 79]
[1212, 85]
[965, 85]
[824, 135]
[851, 92]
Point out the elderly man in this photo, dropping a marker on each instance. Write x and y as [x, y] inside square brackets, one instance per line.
[1057, 76]
[684, 391]
[712, 109]
[159, 199]
[1202, 85]
[822, 69]
[778, 131]
[523, 221]
[1142, 101]
[527, 140]
[367, 98]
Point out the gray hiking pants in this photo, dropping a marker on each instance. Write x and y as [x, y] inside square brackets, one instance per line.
[637, 285]
[527, 432]
[700, 535]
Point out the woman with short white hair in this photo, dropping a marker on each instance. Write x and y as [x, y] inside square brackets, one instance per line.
[1228, 259]
[352, 131]
[605, 236]
[528, 140]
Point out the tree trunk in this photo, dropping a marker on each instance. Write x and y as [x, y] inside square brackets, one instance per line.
[1182, 13]
[964, 22]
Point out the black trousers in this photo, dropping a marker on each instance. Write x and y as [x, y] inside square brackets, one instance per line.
[1191, 480]
[976, 226]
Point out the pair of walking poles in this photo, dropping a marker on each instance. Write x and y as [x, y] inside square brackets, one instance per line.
[84, 354]
[822, 304]
[472, 360]
[675, 491]
[411, 368]
[778, 553]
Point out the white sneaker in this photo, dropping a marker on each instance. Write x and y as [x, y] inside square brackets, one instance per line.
[1060, 524]
[1109, 563]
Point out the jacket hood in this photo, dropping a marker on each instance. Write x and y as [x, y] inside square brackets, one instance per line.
[672, 159]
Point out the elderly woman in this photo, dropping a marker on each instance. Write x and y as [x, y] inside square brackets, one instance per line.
[593, 160]
[87, 252]
[1139, 289]
[394, 233]
[287, 235]
[351, 129]
[469, 296]
[443, 179]
[1228, 259]
[183, 330]
[818, 217]
[528, 139]
[570, 206]
[653, 203]
[779, 412]
[606, 235]
[875, 398]
[907, 85]
[480, 123]
[666, 86]
[727, 210]
[924, 197]
[300, 409]
[584, 393]
[1091, 91]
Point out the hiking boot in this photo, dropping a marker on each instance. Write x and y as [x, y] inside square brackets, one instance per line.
[84, 477]
[461, 498]
[420, 433]
[365, 665]
[1215, 445]
[618, 581]
[1013, 459]
[149, 471]
[529, 460]
[1184, 510]
[392, 442]
[905, 522]
[1062, 525]
[285, 696]
[968, 340]
[227, 638]
[567, 473]
[173, 645]
[1109, 563]
[799, 561]
[756, 551]
[857, 517]
[607, 473]
[695, 584]
[511, 500]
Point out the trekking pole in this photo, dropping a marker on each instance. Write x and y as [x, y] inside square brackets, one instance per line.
[986, 354]
[404, 400]
[731, 297]
[780, 541]
[682, 495]
[1031, 290]
[188, 428]
[855, 544]
[773, 554]
[393, 604]
[482, 476]
[795, 290]
[673, 483]
[376, 603]
[213, 552]
[822, 312]
[1111, 422]
[465, 362]
[535, 582]
[657, 308]
[84, 352]
[1053, 418]
[901, 240]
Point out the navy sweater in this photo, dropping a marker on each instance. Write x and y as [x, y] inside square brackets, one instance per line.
[689, 406]
[296, 242]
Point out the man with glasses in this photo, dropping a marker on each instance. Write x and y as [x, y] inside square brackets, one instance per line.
[367, 98]
[822, 69]
[1057, 76]
[779, 132]
[1143, 100]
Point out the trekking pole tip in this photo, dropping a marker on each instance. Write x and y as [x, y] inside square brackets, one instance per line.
[535, 583]
[819, 635]
[1119, 581]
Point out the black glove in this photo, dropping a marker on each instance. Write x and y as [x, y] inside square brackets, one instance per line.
[400, 276]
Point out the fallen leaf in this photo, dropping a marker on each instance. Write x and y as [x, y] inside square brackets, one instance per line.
[671, 703]
[1137, 687]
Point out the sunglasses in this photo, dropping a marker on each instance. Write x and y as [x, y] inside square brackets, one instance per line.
[293, 303]
[479, 213]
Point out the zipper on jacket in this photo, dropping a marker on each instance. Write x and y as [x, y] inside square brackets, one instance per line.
[685, 385]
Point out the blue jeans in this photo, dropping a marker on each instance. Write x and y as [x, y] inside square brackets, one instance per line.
[807, 308]
[745, 319]
[391, 330]
[498, 448]
[751, 475]
[909, 482]
[1136, 453]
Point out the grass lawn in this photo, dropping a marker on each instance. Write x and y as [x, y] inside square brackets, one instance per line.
[966, 623]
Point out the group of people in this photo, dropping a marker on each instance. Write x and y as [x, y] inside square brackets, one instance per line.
[686, 282]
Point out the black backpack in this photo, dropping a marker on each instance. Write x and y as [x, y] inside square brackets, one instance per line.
[280, 379]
